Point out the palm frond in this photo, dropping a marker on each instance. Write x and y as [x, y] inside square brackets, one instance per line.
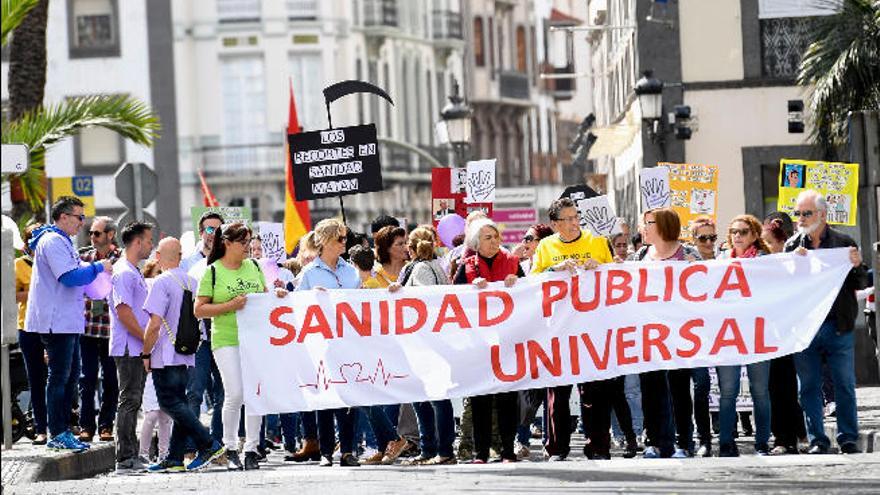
[46, 126]
[14, 11]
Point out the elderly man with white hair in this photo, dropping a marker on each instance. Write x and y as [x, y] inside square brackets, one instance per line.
[834, 340]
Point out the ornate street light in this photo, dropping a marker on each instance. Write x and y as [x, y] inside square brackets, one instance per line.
[456, 117]
[649, 89]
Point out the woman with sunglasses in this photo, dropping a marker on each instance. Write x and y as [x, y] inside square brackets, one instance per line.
[744, 239]
[330, 271]
[223, 291]
[526, 248]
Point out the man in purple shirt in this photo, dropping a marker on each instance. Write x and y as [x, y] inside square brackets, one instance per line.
[127, 322]
[55, 311]
[171, 369]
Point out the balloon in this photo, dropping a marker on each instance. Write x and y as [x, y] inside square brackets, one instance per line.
[448, 227]
[100, 287]
[270, 270]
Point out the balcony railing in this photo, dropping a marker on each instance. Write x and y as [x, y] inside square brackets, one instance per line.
[514, 85]
[242, 160]
[238, 10]
[447, 25]
[560, 89]
[302, 9]
[379, 13]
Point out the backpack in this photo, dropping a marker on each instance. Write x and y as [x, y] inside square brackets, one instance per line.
[188, 336]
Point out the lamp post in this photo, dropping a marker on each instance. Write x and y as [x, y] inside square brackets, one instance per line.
[456, 116]
[649, 89]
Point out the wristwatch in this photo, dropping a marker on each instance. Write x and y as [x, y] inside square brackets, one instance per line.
[145, 356]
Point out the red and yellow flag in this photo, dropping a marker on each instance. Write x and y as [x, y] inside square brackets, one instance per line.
[297, 220]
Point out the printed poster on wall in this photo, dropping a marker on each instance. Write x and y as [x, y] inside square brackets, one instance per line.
[693, 192]
[839, 182]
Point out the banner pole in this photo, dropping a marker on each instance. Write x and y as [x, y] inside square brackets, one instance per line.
[330, 124]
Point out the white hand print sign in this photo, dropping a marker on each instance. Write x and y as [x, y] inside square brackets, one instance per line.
[654, 185]
[480, 185]
[599, 214]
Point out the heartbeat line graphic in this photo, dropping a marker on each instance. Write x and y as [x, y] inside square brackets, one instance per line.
[322, 378]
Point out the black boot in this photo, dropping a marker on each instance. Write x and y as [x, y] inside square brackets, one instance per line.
[251, 461]
[233, 462]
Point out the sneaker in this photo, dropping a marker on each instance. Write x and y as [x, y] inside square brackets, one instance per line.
[728, 450]
[106, 435]
[130, 466]
[418, 460]
[349, 460]
[233, 462]
[705, 450]
[67, 442]
[374, 459]
[40, 439]
[204, 459]
[251, 461]
[166, 466]
[521, 450]
[850, 448]
[394, 449]
[783, 450]
[630, 452]
[441, 461]
[818, 449]
[556, 458]
[326, 461]
[651, 453]
[831, 410]
[680, 454]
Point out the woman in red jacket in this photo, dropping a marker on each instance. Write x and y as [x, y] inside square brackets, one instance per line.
[490, 264]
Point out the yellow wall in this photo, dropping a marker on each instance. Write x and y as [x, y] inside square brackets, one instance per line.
[711, 40]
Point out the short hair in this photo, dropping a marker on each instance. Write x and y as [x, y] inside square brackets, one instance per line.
[472, 234]
[818, 198]
[636, 239]
[363, 258]
[542, 229]
[667, 222]
[134, 230]
[383, 221]
[755, 228]
[65, 204]
[780, 225]
[421, 243]
[325, 231]
[109, 223]
[207, 216]
[557, 206]
[702, 221]
[384, 239]
[458, 240]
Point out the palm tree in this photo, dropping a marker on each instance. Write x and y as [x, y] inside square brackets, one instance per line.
[38, 126]
[841, 68]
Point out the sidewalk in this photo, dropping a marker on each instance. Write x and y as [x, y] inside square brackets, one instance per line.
[27, 463]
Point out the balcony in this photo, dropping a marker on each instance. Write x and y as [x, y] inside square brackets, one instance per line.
[514, 85]
[447, 25]
[559, 89]
[238, 10]
[380, 13]
[302, 10]
[240, 161]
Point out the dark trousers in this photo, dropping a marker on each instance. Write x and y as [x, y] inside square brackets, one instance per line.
[205, 376]
[657, 408]
[381, 426]
[345, 417]
[436, 427]
[596, 398]
[132, 378]
[507, 405]
[559, 420]
[683, 407]
[170, 383]
[32, 351]
[786, 416]
[310, 425]
[63, 374]
[701, 405]
[95, 354]
[620, 406]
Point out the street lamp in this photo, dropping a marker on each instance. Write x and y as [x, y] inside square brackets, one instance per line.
[649, 89]
[456, 117]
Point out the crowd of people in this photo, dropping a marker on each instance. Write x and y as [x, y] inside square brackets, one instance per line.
[132, 347]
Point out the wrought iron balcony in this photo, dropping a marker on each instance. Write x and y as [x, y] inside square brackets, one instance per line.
[514, 85]
[242, 160]
[447, 25]
[380, 13]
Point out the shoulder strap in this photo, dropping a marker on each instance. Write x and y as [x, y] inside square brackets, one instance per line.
[213, 278]
[642, 253]
[182, 286]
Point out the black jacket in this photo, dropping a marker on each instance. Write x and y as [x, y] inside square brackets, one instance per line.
[845, 308]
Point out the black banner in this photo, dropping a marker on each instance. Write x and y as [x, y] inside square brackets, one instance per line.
[335, 162]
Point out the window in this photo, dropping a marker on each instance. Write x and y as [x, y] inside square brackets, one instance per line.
[238, 10]
[491, 48]
[252, 202]
[479, 51]
[783, 43]
[93, 28]
[244, 100]
[99, 147]
[521, 56]
[307, 72]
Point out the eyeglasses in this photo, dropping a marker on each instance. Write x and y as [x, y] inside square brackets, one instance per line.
[528, 238]
[81, 217]
[704, 238]
[574, 218]
[805, 213]
[620, 245]
[650, 222]
[735, 232]
[341, 239]
[209, 230]
[243, 242]
[95, 233]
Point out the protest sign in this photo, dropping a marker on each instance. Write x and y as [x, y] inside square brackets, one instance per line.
[328, 349]
[443, 198]
[480, 182]
[839, 182]
[272, 241]
[577, 193]
[654, 186]
[335, 162]
[599, 215]
[230, 214]
[693, 191]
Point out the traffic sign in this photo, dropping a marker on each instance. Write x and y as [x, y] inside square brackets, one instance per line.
[15, 158]
[81, 186]
[136, 185]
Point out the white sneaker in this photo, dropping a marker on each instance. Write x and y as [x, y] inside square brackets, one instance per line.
[521, 450]
[680, 454]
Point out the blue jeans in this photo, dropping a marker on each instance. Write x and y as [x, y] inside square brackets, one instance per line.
[633, 393]
[837, 349]
[759, 387]
[436, 427]
[63, 351]
[363, 431]
[344, 417]
[383, 430]
[205, 376]
[170, 383]
[32, 351]
[95, 353]
[289, 431]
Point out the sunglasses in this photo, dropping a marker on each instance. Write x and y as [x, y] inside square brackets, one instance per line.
[244, 242]
[734, 232]
[95, 233]
[704, 238]
[81, 217]
[209, 230]
[805, 213]
[528, 238]
[341, 239]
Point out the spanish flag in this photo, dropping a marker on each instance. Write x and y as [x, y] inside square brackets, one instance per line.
[297, 221]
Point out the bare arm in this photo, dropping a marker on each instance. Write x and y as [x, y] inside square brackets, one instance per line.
[126, 316]
[205, 308]
[151, 334]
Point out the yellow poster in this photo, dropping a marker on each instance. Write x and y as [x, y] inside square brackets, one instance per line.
[694, 192]
[81, 186]
[839, 182]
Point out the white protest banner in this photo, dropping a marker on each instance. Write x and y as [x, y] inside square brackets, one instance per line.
[654, 185]
[327, 349]
[599, 214]
[480, 183]
[272, 241]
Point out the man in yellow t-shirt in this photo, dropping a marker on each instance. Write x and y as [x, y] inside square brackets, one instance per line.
[568, 249]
